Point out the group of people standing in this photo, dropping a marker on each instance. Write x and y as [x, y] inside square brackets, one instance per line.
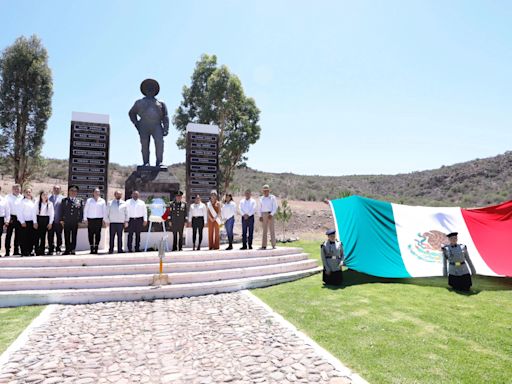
[216, 213]
[32, 220]
[51, 216]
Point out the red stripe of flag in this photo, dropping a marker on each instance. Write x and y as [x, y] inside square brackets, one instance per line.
[491, 231]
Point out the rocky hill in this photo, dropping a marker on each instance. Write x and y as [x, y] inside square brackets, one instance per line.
[474, 183]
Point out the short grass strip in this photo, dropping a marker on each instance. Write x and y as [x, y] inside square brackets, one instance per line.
[14, 320]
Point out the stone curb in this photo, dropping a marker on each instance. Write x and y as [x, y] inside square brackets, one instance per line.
[24, 336]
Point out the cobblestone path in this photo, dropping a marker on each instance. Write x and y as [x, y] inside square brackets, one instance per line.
[208, 339]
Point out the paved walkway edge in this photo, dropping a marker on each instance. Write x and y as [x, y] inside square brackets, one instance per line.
[23, 337]
[338, 365]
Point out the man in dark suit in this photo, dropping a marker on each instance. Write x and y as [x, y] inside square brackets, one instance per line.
[56, 229]
[72, 214]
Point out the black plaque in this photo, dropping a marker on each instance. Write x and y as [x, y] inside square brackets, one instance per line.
[88, 156]
[202, 174]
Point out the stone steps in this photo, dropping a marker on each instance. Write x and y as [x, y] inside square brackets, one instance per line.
[86, 278]
[84, 296]
[85, 259]
[109, 281]
[8, 273]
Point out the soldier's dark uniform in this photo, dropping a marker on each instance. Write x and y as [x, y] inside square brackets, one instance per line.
[72, 214]
[455, 264]
[177, 214]
[332, 258]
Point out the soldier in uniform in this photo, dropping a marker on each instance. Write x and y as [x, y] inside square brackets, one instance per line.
[72, 214]
[332, 258]
[455, 264]
[177, 214]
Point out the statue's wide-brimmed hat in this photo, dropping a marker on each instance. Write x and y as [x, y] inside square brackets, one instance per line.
[150, 86]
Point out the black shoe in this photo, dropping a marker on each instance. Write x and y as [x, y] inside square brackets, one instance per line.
[92, 250]
[198, 248]
[120, 251]
[243, 248]
[7, 254]
[58, 251]
[16, 253]
[72, 253]
[229, 248]
[65, 253]
[110, 252]
[250, 246]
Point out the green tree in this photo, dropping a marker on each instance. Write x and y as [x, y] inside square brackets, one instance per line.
[216, 96]
[25, 105]
[284, 214]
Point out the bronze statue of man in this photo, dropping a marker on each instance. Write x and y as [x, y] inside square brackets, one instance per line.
[149, 116]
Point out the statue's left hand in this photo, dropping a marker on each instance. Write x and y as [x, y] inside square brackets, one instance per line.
[165, 131]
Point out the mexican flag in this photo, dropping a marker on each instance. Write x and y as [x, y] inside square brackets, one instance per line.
[394, 240]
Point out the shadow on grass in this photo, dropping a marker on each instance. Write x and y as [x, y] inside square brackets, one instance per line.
[480, 283]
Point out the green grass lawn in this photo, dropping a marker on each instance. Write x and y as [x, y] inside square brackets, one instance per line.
[404, 330]
[13, 321]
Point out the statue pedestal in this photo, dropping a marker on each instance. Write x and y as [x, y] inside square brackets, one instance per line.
[152, 182]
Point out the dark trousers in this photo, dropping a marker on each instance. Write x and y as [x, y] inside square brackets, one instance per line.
[28, 237]
[14, 226]
[247, 231]
[70, 231]
[56, 231]
[334, 278]
[197, 229]
[42, 228]
[135, 225]
[229, 225]
[94, 231]
[177, 238]
[116, 229]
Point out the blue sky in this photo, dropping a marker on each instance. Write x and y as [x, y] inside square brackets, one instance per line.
[344, 87]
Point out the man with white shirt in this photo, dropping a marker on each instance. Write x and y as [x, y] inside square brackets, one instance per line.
[117, 215]
[95, 212]
[137, 219]
[27, 216]
[56, 229]
[13, 199]
[268, 208]
[247, 209]
[5, 214]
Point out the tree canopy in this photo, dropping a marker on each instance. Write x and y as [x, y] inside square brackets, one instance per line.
[216, 96]
[26, 91]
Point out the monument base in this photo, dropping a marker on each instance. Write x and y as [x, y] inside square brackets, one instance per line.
[152, 182]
